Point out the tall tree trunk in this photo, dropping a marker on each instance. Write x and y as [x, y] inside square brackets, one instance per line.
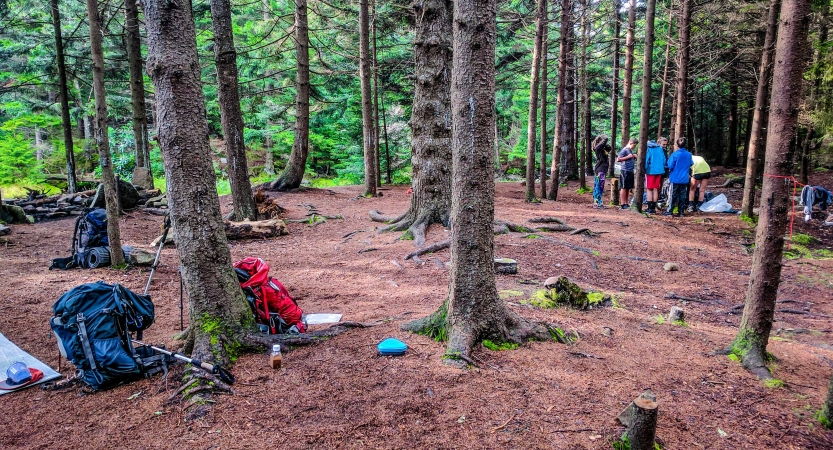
[758, 117]
[108, 178]
[268, 156]
[542, 166]
[231, 117]
[684, 53]
[216, 307]
[430, 123]
[586, 151]
[473, 310]
[664, 92]
[758, 314]
[645, 116]
[614, 107]
[66, 123]
[570, 150]
[806, 147]
[388, 174]
[368, 130]
[376, 150]
[532, 121]
[731, 159]
[144, 177]
[293, 173]
[563, 114]
[629, 48]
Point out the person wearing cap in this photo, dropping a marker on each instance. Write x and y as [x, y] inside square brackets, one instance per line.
[679, 165]
[654, 170]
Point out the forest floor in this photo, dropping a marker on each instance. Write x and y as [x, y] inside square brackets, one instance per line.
[341, 394]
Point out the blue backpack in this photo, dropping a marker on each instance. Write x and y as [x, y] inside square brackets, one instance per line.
[90, 246]
[93, 323]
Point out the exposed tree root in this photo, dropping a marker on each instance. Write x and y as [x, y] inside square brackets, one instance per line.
[430, 249]
[377, 216]
[547, 219]
[260, 340]
[415, 228]
[555, 228]
[755, 361]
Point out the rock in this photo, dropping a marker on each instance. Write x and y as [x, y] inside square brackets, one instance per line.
[168, 240]
[625, 416]
[562, 291]
[677, 314]
[607, 331]
[138, 257]
[14, 214]
[506, 266]
[550, 283]
[671, 267]
[142, 177]
[151, 201]
[128, 196]
[4, 230]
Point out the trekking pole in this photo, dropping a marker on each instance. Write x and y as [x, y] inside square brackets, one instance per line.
[167, 227]
[213, 369]
[181, 322]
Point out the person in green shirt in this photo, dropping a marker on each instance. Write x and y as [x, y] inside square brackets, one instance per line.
[700, 174]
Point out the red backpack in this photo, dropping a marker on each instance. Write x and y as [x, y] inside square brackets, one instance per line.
[270, 301]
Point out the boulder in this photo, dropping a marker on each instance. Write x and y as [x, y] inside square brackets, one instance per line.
[671, 267]
[142, 177]
[506, 266]
[676, 314]
[14, 214]
[128, 196]
[138, 257]
[4, 230]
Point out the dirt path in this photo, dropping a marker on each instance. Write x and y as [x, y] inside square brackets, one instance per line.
[543, 395]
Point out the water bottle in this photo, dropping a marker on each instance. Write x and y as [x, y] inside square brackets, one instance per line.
[276, 358]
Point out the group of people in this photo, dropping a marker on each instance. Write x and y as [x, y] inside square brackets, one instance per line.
[686, 173]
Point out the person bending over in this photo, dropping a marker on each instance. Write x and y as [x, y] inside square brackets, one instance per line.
[601, 148]
[654, 170]
[700, 174]
[627, 159]
[679, 164]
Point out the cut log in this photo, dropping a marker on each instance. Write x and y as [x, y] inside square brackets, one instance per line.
[506, 266]
[625, 416]
[643, 424]
[259, 229]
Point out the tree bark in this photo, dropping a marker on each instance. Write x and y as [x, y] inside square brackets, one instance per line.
[430, 122]
[630, 42]
[532, 121]
[827, 408]
[586, 128]
[217, 309]
[614, 107]
[806, 147]
[108, 178]
[293, 174]
[761, 102]
[367, 101]
[759, 311]
[682, 69]
[664, 92]
[731, 159]
[376, 150]
[231, 117]
[569, 144]
[66, 123]
[642, 429]
[542, 166]
[563, 114]
[645, 116]
[137, 94]
[473, 310]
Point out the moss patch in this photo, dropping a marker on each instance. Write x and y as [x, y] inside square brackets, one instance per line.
[509, 294]
[803, 239]
[499, 347]
[563, 293]
[751, 220]
[583, 190]
[773, 383]
[435, 328]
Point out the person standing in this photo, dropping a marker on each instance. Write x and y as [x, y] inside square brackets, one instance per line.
[679, 165]
[627, 159]
[700, 174]
[601, 148]
[654, 170]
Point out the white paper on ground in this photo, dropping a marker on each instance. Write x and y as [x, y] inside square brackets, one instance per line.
[316, 319]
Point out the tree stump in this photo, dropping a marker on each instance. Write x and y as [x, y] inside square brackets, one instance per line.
[643, 424]
[506, 266]
[260, 229]
[614, 191]
[677, 314]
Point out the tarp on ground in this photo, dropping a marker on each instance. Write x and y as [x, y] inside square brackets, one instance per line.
[10, 354]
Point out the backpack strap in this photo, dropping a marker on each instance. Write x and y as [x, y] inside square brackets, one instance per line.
[85, 340]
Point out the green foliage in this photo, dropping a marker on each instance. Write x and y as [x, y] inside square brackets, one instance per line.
[17, 160]
[825, 419]
[435, 326]
[803, 239]
[659, 319]
[583, 190]
[499, 346]
[773, 383]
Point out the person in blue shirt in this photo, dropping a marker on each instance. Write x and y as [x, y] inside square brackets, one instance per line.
[679, 165]
[654, 170]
